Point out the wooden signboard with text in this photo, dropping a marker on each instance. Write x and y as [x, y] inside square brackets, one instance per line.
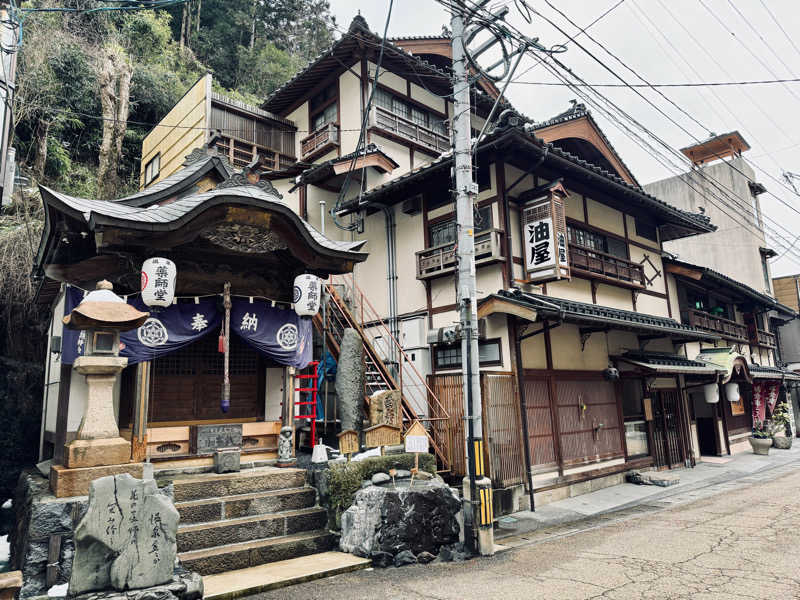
[348, 442]
[382, 435]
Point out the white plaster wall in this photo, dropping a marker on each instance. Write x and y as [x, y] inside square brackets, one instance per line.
[350, 116]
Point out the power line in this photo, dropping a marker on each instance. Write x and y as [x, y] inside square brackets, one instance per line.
[667, 85]
[778, 23]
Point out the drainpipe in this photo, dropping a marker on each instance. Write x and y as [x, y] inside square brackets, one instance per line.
[322, 216]
[391, 275]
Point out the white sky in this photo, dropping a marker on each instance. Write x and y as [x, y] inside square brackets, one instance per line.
[766, 115]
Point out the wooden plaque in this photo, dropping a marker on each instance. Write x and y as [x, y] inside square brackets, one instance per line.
[648, 409]
[348, 442]
[382, 435]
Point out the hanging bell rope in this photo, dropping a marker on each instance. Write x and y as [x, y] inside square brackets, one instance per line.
[225, 403]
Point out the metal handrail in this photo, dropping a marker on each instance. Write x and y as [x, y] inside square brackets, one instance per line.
[382, 324]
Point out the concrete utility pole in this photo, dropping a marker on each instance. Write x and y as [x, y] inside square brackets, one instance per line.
[478, 488]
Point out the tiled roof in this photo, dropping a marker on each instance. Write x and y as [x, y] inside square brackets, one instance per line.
[760, 372]
[696, 222]
[357, 35]
[663, 362]
[718, 278]
[172, 215]
[578, 111]
[605, 316]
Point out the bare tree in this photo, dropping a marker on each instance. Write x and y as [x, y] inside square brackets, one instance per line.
[114, 72]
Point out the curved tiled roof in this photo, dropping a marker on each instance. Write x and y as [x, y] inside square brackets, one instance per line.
[170, 216]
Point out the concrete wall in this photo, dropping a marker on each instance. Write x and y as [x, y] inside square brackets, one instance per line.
[733, 248]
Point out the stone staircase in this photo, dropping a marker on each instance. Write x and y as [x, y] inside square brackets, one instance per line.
[240, 520]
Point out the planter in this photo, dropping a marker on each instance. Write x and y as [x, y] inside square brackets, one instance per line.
[760, 445]
[782, 442]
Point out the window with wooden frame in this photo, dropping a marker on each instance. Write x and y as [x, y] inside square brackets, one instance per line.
[449, 356]
[645, 229]
[323, 108]
[636, 439]
[402, 107]
[598, 242]
[445, 232]
[152, 169]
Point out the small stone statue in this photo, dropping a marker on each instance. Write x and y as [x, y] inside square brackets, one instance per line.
[285, 445]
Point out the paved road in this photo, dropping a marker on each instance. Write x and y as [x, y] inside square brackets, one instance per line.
[741, 540]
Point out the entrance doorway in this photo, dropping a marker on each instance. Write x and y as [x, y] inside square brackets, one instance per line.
[668, 447]
[705, 416]
[186, 385]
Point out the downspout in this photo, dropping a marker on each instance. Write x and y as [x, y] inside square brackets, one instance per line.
[391, 275]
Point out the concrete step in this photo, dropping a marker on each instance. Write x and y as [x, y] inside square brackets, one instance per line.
[250, 481]
[242, 555]
[231, 531]
[245, 505]
[254, 580]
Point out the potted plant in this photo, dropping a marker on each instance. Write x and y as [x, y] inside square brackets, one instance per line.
[761, 440]
[782, 429]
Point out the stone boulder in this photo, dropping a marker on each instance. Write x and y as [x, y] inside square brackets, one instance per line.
[127, 538]
[422, 518]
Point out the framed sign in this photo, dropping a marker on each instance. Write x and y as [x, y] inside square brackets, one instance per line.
[544, 229]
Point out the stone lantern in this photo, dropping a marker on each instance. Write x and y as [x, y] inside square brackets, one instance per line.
[102, 316]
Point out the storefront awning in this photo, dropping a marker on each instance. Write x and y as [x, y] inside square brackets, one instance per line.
[495, 304]
[732, 364]
[595, 317]
[667, 364]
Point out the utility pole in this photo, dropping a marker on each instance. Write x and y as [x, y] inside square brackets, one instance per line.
[478, 488]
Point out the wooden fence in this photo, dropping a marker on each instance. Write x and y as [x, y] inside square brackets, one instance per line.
[502, 426]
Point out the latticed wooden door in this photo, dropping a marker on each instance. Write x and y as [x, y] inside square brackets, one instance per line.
[666, 429]
[187, 384]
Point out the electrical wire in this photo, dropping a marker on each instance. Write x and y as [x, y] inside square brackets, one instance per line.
[778, 23]
[669, 85]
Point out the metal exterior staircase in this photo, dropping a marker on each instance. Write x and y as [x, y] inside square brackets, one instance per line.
[378, 374]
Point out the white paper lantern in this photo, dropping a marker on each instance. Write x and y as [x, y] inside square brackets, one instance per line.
[158, 281]
[711, 393]
[732, 392]
[307, 295]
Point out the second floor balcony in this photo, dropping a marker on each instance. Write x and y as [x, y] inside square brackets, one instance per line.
[606, 267]
[441, 260]
[320, 141]
[706, 321]
[398, 126]
[759, 337]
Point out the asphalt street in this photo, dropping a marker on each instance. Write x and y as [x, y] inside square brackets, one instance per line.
[736, 540]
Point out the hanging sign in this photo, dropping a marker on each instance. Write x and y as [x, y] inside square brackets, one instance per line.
[158, 281]
[545, 239]
[416, 439]
[307, 295]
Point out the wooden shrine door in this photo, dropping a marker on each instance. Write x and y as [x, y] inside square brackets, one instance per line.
[667, 438]
[186, 385]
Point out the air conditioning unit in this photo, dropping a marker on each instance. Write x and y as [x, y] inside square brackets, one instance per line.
[413, 206]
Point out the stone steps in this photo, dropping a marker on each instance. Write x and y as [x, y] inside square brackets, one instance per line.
[209, 561]
[243, 505]
[251, 481]
[257, 527]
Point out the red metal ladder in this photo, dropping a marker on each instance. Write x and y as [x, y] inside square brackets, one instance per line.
[313, 402]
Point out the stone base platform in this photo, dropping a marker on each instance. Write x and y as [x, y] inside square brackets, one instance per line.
[94, 453]
[185, 585]
[66, 482]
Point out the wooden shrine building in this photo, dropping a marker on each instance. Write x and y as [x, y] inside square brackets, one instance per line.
[217, 227]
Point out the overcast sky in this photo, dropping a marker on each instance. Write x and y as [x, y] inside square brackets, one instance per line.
[664, 41]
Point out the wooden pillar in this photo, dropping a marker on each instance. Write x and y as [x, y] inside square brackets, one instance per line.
[141, 399]
[62, 414]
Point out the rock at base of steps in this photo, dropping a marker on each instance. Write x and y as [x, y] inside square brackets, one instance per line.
[653, 478]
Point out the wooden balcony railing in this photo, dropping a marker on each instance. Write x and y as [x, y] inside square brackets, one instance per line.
[323, 138]
[606, 266]
[407, 129]
[440, 260]
[708, 322]
[241, 153]
[764, 338]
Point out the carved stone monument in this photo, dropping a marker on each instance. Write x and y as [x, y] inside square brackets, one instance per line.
[385, 409]
[350, 381]
[126, 539]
